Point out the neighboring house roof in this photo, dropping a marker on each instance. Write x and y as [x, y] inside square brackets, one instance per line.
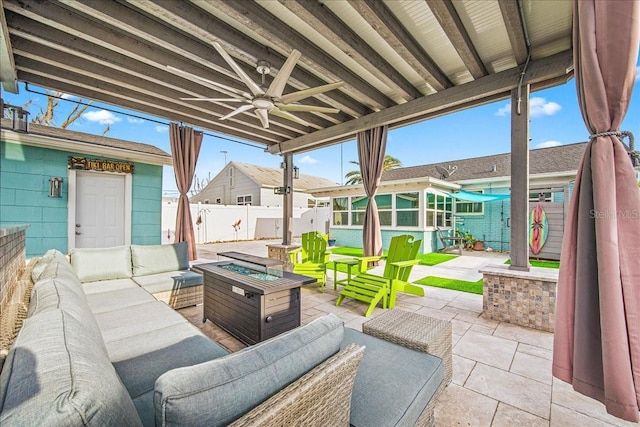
[92, 144]
[268, 177]
[562, 158]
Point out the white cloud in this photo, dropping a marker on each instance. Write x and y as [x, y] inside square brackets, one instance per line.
[504, 111]
[161, 128]
[103, 117]
[134, 120]
[548, 144]
[67, 96]
[538, 107]
[308, 160]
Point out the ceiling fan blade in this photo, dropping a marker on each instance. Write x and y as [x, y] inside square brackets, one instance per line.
[263, 116]
[305, 93]
[288, 116]
[214, 99]
[279, 82]
[312, 108]
[253, 86]
[211, 82]
[238, 110]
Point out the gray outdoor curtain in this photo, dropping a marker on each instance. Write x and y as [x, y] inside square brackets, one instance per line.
[372, 144]
[597, 332]
[185, 147]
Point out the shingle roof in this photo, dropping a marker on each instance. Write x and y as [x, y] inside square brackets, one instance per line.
[269, 177]
[87, 138]
[543, 160]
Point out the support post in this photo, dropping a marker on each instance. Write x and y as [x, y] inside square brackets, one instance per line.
[520, 179]
[287, 212]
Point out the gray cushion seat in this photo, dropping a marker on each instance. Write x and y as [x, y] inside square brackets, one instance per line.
[58, 373]
[100, 286]
[169, 281]
[138, 319]
[140, 359]
[107, 301]
[387, 393]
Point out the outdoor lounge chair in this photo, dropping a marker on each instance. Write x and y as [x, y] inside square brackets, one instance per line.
[372, 288]
[312, 257]
[455, 245]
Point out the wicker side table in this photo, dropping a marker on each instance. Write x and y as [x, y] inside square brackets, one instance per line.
[415, 331]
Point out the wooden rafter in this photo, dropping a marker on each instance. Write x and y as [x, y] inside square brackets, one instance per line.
[389, 28]
[510, 10]
[446, 14]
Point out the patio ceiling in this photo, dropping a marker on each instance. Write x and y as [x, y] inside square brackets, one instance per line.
[402, 61]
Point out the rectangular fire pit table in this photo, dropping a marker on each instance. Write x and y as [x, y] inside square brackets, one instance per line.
[415, 331]
[250, 297]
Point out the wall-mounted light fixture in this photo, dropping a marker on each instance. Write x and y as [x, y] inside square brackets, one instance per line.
[55, 186]
[282, 190]
[296, 172]
[19, 117]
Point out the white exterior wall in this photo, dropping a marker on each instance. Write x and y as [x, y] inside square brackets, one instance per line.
[256, 222]
[220, 187]
[268, 198]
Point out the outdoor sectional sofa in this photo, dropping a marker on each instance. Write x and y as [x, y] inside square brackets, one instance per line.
[107, 352]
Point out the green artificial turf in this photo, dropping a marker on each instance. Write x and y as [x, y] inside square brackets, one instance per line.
[538, 263]
[434, 258]
[456, 285]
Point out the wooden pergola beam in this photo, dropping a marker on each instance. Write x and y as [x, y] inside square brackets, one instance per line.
[285, 39]
[495, 86]
[339, 34]
[384, 22]
[8, 75]
[510, 10]
[448, 18]
[190, 18]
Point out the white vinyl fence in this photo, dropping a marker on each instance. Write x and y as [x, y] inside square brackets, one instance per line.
[217, 222]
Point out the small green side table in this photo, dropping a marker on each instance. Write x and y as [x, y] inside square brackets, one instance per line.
[350, 263]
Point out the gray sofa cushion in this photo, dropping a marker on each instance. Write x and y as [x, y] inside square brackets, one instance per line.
[57, 375]
[60, 268]
[54, 294]
[44, 261]
[153, 259]
[101, 302]
[91, 264]
[108, 286]
[169, 281]
[135, 320]
[387, 393]
[217, 392]
[139, 360]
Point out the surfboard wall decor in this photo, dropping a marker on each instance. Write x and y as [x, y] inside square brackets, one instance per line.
[538, 229]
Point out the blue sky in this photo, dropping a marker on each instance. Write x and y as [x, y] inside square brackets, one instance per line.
[480, 131]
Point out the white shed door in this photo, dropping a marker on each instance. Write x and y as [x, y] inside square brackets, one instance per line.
[99, 210]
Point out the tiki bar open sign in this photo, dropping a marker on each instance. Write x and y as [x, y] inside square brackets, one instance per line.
[82, 163]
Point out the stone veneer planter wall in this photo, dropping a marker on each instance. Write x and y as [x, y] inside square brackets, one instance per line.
[12, 255]
[525, 298]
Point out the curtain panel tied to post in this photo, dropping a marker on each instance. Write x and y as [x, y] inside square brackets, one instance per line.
[372, 145]
[597, 331]
[185, 148]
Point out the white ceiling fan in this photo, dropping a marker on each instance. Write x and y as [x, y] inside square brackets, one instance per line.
[266, 100]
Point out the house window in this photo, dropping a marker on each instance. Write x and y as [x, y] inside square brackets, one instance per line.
[541, 196]
[206, 201]
[218, 201]
[407, 205]
[340, 210]
[358, 206]
[466, 207]
[243, 200]
[439, 210]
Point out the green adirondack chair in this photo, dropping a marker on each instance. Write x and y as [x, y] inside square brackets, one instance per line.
[312, 257]
[373, 288]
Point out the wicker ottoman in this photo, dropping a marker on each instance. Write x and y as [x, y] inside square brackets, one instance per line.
[415, 331]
